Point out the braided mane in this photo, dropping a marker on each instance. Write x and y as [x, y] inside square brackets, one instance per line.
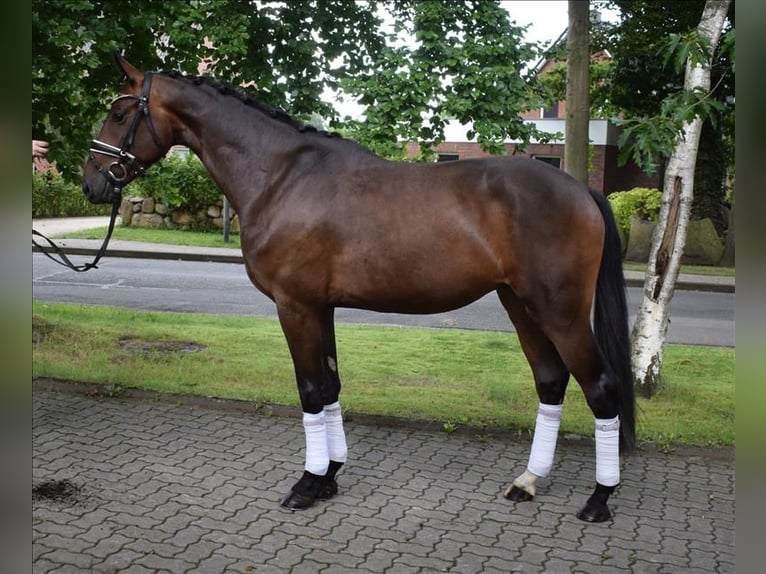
[227, 90]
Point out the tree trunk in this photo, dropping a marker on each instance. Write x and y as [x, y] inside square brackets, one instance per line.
[650, 328]
[728, 258]
[577, 91]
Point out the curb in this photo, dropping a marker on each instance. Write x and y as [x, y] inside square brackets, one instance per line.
[244, 407]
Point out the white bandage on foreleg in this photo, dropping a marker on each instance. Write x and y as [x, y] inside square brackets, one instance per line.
[608, 451]
[317, 458]
[336, 437]
[544, 441]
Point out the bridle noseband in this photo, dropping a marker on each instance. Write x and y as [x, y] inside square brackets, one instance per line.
[124, 165]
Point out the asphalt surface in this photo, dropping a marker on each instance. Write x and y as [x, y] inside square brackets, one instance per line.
[143, 483]
[135, 249]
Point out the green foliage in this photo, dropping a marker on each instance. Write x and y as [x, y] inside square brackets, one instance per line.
[290, 50]
[641, 202]
[467, 64]
[647, 138]
[53, 196]
[690, 47]
[179, 183]
[650, 47]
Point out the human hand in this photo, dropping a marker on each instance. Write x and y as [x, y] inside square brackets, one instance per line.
[39, 148]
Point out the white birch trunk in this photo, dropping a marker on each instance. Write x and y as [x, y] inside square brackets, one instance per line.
[650, 328]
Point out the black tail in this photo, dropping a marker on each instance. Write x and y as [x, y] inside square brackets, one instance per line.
[611, 323]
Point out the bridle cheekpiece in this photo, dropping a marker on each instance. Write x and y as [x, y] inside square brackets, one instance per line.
[125, 163]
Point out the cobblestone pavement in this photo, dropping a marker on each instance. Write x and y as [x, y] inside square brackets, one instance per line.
[127, 485]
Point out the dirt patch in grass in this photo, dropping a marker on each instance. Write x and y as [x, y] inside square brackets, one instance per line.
[159, 347]
[41, 329]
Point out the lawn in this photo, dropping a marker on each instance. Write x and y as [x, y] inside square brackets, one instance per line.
[451, 376]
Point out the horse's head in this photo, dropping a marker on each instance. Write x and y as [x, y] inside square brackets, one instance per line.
[135, 134]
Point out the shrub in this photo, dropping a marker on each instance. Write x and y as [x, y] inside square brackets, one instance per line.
[53, 196]
[180, 183]
[642, 202]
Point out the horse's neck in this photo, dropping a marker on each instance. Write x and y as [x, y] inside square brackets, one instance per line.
[234, 140]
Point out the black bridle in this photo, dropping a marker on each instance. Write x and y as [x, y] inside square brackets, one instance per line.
[125, 165]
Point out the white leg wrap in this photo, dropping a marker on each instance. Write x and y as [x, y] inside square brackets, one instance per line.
[336, 437]
[317, 458]
[544, 441]
[608, 451]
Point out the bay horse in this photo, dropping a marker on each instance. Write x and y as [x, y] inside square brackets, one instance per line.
[326, 223]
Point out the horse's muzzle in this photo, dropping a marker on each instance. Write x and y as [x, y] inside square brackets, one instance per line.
[104, 193]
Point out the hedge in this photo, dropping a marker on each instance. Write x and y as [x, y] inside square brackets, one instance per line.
[642, 202]
[179, 182]
[53, 196]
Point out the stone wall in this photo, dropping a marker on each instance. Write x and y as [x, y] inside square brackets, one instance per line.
[703, 246]
[148, 212]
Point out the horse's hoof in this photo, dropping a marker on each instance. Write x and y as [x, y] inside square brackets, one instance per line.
[517, 494]
[327, 490]
[296, 501]
[594, 513]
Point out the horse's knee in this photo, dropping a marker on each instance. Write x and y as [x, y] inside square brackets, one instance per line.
[551, 383]
[311, 395]
[603, 396]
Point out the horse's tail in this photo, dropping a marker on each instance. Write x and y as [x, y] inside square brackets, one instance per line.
[611, 322]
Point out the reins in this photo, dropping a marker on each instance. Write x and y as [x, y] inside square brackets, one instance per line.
[52, 251]
[125, 163]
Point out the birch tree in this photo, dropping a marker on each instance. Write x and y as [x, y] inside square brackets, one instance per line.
[650, 328]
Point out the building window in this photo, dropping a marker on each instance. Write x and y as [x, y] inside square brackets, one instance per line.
[447, 157]
[554, 160]
[552, 112]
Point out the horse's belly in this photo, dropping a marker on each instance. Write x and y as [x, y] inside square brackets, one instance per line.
[417, 286]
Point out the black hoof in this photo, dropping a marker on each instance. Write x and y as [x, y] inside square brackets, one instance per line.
[328, 489]
[296, 501]
[304, 493]
[594, 513]
[517, 494]
[596, 510]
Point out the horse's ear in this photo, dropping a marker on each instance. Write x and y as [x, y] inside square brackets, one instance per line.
[129, 70]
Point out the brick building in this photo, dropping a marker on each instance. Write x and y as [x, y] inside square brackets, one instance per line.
[604, 175]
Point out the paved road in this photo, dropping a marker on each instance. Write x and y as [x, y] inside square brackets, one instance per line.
[697, 317]
[152, 486]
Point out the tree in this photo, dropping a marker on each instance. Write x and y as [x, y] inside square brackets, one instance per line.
[577, 91]
[286, 52]
[650, 328]
[641, 85]
[467, 63]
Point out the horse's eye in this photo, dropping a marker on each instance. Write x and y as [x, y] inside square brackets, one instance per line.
[118, 116]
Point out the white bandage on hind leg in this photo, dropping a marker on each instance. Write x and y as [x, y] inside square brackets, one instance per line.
[317, 458]
[608, 451]
[544, 441]
[336, 437]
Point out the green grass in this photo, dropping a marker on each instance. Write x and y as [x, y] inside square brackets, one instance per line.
[166, 236]
[448, 375]
[709, 270]
[215, 239]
